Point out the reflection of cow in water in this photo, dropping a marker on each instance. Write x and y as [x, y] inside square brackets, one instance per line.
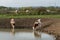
[37, 34]
[37, 24]
[12, 22]
[12, 31]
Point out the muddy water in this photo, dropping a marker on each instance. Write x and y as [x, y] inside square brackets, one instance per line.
[23, 34]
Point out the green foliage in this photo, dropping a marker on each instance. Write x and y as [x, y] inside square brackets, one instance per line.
[29, 16]
[31, 10]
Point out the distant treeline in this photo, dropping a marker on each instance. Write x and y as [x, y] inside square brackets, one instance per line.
[30, 10]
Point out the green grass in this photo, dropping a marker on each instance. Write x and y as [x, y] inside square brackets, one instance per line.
[29, 16]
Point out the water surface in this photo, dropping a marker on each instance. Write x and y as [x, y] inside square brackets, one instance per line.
[23, 34]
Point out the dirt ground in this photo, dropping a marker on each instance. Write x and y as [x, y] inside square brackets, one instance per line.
[54, 28]
[20, 22]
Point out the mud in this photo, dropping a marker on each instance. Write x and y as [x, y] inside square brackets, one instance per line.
[20, 22]
[53, 29]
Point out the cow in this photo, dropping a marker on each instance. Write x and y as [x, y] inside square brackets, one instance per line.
[37, 24]
[12, 22]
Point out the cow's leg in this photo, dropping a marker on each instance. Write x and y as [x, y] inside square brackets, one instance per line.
[13, 26]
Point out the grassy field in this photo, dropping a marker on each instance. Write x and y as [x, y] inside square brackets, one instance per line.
[29, 16]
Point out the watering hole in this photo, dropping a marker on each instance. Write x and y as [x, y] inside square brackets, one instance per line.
[24, 34]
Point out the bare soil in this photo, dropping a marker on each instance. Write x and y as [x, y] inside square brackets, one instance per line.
[53, 28]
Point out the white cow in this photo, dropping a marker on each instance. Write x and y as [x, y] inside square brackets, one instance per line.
[12, 22]
[37, 24]
[16, 11]
[39, 21]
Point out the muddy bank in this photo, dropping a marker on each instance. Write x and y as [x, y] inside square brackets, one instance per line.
[53, 29]
[21, 22]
